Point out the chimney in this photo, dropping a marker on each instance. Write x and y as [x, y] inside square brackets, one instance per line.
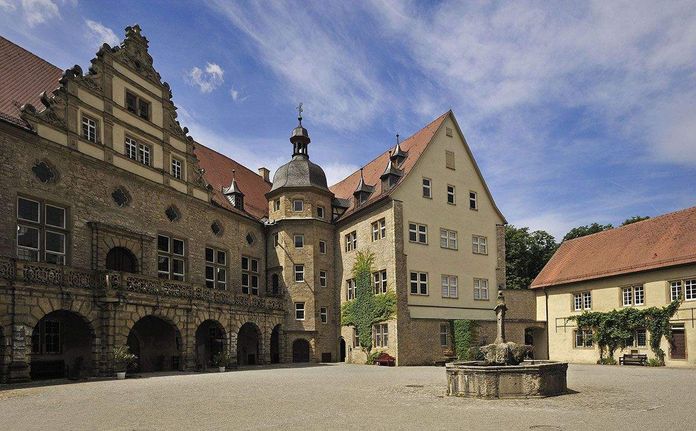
[264, 173]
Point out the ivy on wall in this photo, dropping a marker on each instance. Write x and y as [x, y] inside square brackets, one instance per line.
[614, 329]
[464, 338]
[367, 308]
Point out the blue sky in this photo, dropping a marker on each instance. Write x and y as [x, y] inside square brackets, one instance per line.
[576, 111]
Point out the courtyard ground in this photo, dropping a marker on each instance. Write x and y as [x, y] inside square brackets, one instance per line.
[341, 396]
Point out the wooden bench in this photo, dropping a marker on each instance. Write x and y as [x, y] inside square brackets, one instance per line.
[385, 359]
[633, 359]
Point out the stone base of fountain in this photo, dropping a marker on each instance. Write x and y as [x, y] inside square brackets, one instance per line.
[529, 379]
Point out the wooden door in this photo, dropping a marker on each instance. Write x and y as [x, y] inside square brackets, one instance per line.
[678, 348]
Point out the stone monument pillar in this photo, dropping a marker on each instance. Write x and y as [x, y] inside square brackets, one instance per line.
[500, 309]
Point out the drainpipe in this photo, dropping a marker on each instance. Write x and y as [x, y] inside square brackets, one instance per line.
[546, 304]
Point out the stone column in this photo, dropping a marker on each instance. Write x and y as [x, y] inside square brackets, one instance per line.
[20, 343]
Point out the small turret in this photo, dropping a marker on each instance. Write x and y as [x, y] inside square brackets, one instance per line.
[234, 194]
[397, 155]
[362, 191]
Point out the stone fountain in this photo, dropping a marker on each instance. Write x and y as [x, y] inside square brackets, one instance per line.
[504, 373]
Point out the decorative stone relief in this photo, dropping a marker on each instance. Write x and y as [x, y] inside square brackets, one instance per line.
[45, 172]
[173, 213]
[121, 197]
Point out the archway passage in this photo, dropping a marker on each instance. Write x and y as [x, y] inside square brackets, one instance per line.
[342, 350]
[275, 345]
[300, 350]
[210, 340]
[61, 346]
[121, 259]
[248, 344]
[156, 343]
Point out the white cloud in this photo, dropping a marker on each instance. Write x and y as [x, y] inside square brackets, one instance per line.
[206, 80]
[39, 11]
[8, 5]
[337, 171]
[98, 34]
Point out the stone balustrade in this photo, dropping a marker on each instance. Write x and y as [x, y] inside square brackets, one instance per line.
[65, 276]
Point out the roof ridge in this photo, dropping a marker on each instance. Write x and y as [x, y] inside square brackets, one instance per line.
[390, 148]
[617, 228]
[32, 54]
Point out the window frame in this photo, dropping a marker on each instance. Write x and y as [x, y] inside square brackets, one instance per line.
[450, 238]
[379, 282]
[321, 212]
[297, 236]
[171, 256]
[428, 187]
[300, 272]
[139, 103]
[350, 289]
[586, 337]
[323, 278]
[477, 244]
[481, 289]
[380, 335]
[294, 205]
[322, 246]
[452, 194]
[446, 282]
[379, 229]
[418, 232]
[582, 298]
[177, 171]
[473, 200]
[420, 283]
[444, 334]
[43, 229]
[449, 157]
[217, 267]
[324, 315]
[85, 133]
[300, 308]
[351, 241]
[140, 148]
[250, 274]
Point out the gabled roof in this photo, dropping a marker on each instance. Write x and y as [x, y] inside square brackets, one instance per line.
[23, 77]
[414, 146]
[218, 173]
[658, 242]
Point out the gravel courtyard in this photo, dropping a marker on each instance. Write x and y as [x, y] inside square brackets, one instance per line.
[341, 396]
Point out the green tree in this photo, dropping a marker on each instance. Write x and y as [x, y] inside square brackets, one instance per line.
[634, 219]
[580, 231]
[526, 253]
[367, 308]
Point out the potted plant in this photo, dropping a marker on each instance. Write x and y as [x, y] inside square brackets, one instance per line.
[122, 359]
[220, 360]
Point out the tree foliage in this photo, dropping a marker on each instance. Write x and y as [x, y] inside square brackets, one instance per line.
[464, 338]
[614, 329]
[634, 219]
[580, 231]
[367, 308]
[526, 253]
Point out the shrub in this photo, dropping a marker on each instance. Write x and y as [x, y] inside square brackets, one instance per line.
[222, 359]
[609, 360]
[123, 358]
[655, 362]
[372, 357]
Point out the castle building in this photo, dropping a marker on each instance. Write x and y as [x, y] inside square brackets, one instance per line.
[120, 229]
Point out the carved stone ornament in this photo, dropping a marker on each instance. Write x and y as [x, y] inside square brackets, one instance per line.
[217, 228]
[45, 172]
[172, 213]
[121, 197]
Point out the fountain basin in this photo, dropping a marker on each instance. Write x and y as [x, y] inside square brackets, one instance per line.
[529, 379]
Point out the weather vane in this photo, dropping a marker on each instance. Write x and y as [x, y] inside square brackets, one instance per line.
[299, 112]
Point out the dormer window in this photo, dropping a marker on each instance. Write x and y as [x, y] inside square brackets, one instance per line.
[137, 106]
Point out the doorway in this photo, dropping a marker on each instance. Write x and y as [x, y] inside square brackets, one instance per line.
[678, 347]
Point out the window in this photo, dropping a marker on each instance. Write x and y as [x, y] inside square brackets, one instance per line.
[324, 315]
[379, 229]
[480, 289]
[350, 289]
[641, 338]
[427, 188]
[275, 239]
[351, 241]
[451, 197]
[299, 241]
[320, 212]
[449, 160]
[176, 168]
[137, 151]
[449, 286]
[633, 295]
[448, 239]
[250, 275]
[90, 130]
[582, 301]
[322, 247]
[356, 338]
[473, 201]
[379, 282]
[137, 105]
[419, 283]
[675, 290]
[418, 233]
[627, 296]
[41, 238]
[170, 258]
[276, 205]
[299, 273]
[444, 334]
[215, 268]
[583, 338]
[690, 290]
[299, 311]
[381, 334]
[448, 131]
[479, 244]
[323, 278]
[46, 338]
[298, 205]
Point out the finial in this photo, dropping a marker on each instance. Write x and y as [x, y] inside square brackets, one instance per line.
[299, 113]
[397, 139]
[233, 174]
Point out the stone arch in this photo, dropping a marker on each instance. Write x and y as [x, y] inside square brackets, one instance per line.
[157, 342]
[341, 349]
[275, 347]
[249, 344]
[301, 350]
[211, 339]
[121, 259]
[63, 344]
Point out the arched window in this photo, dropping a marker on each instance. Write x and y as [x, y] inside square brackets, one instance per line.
[121, 259]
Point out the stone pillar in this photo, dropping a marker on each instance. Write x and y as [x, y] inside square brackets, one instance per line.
[188, 333]
[500, 277]
[20, 344]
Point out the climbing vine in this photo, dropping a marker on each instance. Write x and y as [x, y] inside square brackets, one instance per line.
[464, 338]
[367, 308]
[614, 329]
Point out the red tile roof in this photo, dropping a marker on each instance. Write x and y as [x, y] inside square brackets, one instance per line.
[414, 146]
[23, 77]
[218, 172]
[658, 242]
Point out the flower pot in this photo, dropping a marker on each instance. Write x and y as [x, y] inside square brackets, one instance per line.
[120, 375]
[221, 369]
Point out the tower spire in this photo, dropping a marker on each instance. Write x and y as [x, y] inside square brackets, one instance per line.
[300, 137]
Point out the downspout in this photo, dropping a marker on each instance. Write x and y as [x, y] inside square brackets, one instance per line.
[546, 305]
